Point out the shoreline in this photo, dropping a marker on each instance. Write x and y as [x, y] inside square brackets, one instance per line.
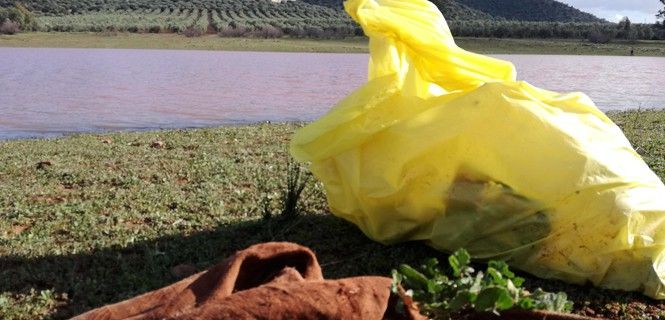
[618, 114]
[348, 45]
[71, 134]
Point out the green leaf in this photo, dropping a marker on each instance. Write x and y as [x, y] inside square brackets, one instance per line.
[431, 268]
[557, 302]
[495, 277]
[459, 261]
[461, 299]
[397, 281]
[502, 267]
[518, 281]
[434, 287]
[413, 278]
[494, 298]
[477, 284]
[562, 303]
[514, 291]
[526, 304]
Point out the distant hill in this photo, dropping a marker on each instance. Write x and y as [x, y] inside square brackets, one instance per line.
[455, 10]
[531, 10]
[518, 10]
[451, 9]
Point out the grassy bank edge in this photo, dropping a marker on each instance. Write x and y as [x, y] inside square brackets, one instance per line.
[349, 45]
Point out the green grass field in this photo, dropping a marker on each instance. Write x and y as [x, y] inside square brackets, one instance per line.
[175, 41]
[349, 45]
[92, 219]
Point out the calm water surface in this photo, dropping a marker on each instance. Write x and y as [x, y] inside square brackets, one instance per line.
[48, 92]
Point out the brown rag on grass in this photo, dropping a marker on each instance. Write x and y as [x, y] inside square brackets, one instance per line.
[265, 281]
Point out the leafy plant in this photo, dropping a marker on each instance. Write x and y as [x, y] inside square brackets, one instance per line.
[441, 295]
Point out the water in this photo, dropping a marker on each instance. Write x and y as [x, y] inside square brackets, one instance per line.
[614, 83]
[48, 92]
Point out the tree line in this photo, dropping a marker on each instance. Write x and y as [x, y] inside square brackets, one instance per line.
[594, 32]
[309, 19]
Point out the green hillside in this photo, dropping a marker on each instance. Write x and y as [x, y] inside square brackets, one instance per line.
[523, 10]
[451, 9]
[312, 18]
[531, 10]
[455, 11]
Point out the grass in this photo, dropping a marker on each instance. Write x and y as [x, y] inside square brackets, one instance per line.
[351, 45]
[563, 47]
[88, 220]
[175, 41]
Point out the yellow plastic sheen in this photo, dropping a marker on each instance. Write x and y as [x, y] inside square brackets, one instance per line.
[445, 146]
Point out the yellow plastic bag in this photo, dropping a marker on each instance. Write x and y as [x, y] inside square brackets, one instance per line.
[443, 145]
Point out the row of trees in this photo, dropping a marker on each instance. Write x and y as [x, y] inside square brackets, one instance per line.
[195, 22]
[267, 7]
[124, 21]
[596, 32]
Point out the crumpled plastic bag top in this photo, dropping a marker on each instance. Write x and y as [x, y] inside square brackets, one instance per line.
[445, 146]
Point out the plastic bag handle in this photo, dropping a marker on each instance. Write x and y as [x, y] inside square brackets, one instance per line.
[412, 39]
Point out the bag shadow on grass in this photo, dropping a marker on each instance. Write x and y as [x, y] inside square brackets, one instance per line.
[113, 274]
[109, 275]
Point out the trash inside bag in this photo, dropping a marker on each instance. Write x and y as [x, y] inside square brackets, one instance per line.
[445, 146]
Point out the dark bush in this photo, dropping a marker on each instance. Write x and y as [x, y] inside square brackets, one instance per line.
[191, 32]
[598, 37]
[9, 27]
[230, 32]
[266, 32]
[297, 32]
[314, 32]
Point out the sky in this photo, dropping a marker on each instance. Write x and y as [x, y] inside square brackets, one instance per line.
[638, 11]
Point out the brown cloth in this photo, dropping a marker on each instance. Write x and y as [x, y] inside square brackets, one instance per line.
[265, 281]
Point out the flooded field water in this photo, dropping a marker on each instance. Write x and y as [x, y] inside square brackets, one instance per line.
[48, 92]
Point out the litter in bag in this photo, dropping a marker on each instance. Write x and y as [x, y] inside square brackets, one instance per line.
[445, 146]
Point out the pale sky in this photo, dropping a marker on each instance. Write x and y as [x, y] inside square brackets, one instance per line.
[638, 11]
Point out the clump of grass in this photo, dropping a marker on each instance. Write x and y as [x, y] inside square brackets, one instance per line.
[296, 181]
[288, 194]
